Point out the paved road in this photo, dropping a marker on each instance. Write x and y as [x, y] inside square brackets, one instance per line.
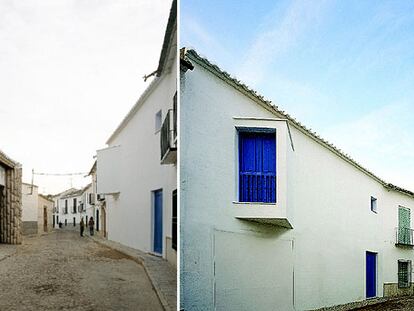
[61, 271]
[403, 303]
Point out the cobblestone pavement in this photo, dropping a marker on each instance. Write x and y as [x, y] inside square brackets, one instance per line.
[162, 274]
[404, 303]
[62, 271]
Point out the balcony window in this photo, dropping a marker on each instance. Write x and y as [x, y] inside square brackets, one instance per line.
[257, 166]
[404, 232]
[168, 139]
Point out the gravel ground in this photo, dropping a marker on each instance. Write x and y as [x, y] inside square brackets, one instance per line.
[404, 303]
[62, 271]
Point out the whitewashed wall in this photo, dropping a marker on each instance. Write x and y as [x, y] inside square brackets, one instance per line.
[29, 202]
[42, 204]
[320, 262]
[70, 215]
[139, 172]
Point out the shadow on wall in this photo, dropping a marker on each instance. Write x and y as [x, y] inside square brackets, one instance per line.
[264, 230]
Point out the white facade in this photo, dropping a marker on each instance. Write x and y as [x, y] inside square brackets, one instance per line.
[130, 172]
[30, 196]
[73, 204]
[307, 250]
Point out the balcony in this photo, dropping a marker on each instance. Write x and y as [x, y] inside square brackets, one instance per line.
[169, 138]
[404, 237]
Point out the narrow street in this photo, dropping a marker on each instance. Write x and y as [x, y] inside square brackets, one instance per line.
[62, 271]
[403, 303]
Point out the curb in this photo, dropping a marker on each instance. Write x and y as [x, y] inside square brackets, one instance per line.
[140, 260]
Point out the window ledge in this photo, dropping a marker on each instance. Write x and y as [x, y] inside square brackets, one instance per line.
[256, 204]
[260, 212]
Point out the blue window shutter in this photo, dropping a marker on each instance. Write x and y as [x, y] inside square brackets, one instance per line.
[257, 167]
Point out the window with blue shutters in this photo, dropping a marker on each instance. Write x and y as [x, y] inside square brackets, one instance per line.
[257, 166]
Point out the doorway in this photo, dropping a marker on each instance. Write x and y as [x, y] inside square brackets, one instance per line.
[97, 220]
[371, 274]
[44, 219]
[157, 221]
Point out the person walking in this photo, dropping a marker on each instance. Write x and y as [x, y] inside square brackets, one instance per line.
[91, 224]
[82, 227]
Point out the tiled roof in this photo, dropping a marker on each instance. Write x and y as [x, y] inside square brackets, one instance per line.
[192, 55]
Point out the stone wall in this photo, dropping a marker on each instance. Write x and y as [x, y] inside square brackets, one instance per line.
[392, 290]
[11, 207]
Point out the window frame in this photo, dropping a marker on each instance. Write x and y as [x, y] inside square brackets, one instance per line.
[158, 118]
[374, 204]
[407, 282]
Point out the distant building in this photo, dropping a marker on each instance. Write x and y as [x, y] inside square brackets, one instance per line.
[137, 172]
[45, 214]
[10, 200]
[99, 205]
[58, 207]
[37, 210]
[30, 205]
[71, 205]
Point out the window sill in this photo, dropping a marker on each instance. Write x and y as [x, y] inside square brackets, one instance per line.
[254, 203]
[260, 212]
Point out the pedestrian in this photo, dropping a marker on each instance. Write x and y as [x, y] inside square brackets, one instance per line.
[91, 224]
[82, 227]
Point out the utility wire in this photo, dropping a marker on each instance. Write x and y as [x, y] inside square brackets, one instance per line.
[59, 174]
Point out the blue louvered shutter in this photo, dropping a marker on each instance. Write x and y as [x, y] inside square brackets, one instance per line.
[257, 167]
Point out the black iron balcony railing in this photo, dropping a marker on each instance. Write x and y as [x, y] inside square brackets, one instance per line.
[404, 236]
[168, 135]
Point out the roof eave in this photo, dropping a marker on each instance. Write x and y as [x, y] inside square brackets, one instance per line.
[267, 104]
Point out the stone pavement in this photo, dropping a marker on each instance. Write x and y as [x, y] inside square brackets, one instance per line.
[161, 273]
[62, 271]
[7, 250]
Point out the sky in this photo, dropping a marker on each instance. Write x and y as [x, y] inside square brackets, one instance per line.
[70, 70]
[345, 69]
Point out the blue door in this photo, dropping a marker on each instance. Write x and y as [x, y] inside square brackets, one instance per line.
[371, 274]
[158, 221]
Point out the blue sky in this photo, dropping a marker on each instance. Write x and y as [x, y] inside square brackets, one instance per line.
[343, 68]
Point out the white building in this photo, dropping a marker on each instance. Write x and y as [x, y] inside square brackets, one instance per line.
[30, 203]
[137, 172]
[73, 204]
[99, 204]
[36, 210]
[59, 207]
[273, 217]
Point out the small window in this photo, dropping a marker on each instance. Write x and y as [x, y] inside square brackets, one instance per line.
[373, 204]
[158, 120]
[404, 273]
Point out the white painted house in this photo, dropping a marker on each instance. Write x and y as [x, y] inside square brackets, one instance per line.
[137, 171]
[73, 204]
[36, 210]
[59, 206]
[30, 203]
[273, 217]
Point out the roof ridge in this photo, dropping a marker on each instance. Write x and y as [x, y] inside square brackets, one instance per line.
[215, 69]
